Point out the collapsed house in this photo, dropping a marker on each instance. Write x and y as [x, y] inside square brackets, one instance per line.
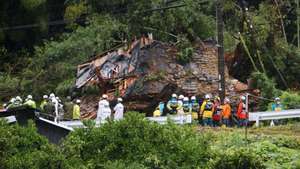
[147, 72]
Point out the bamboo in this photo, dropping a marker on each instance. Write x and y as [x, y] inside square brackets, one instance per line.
[248, 53]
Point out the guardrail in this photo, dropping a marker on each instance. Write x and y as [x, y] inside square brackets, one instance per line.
[273, 115]
[10, 119]
[185, 119]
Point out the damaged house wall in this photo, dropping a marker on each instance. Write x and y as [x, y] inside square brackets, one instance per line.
[147, 72]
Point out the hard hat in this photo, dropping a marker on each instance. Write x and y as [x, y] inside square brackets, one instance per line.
[207, 96]
[78, 101]
[45, 97]
[243, 98]
[277, 99]
[104, 96]
[185, 99]
[29, 97]
[120, 99]
[18, 98]
[193, 98]
[181, 97]
[12, 100]
[52, 95]
[174, 95]
[217, 98]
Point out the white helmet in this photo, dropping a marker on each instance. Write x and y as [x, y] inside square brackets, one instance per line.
[277, 99]
[78, 101]
[18, 98]
[193, 98]
[174, 95]
[29, 97]
[52, 95]
[45, 97]
[12, 100]
[243, 98]
[185, 99]
[120, 99]
[104, 96]
[181, 97]
[207, 96]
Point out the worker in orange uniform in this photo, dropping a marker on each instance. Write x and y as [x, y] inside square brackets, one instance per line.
[242, 112]
[226, 112]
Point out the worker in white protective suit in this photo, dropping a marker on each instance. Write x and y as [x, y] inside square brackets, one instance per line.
[119, 110]
[104, 111]
[56, 104]
[180, 111]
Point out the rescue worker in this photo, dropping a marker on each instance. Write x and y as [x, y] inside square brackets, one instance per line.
[156, 112]
[161, 107]
[61, 111]
[49, 108]
[119, 110]
[242, 112]
[195, 108]
[217, 112]
[18, 102]
[226, 112]
[104, 111]
[173, 104]
[207, 109]
[68, 108]
[44, 102]
[11, 103]
[179, 109]
[186, 106]
[76, 110]
[56, 104]
[29, 102]
[276, 106]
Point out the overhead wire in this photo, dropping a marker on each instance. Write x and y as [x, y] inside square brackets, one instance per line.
[62, 22]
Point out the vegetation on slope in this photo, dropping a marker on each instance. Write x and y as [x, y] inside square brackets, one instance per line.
[138, 143]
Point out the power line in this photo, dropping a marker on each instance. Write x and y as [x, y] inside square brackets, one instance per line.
[62, 22]
[35, 25]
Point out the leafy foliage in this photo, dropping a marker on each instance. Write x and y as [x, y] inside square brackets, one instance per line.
[56, 61]
[25, 148]
[290, 100]
[141, 141]
[266, 86]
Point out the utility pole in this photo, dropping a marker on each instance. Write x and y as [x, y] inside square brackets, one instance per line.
[298, 29]
[220, 45]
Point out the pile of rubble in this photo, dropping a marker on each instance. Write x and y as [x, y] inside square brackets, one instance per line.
[147, 72]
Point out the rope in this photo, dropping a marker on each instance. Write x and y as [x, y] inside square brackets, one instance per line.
[262, 98]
